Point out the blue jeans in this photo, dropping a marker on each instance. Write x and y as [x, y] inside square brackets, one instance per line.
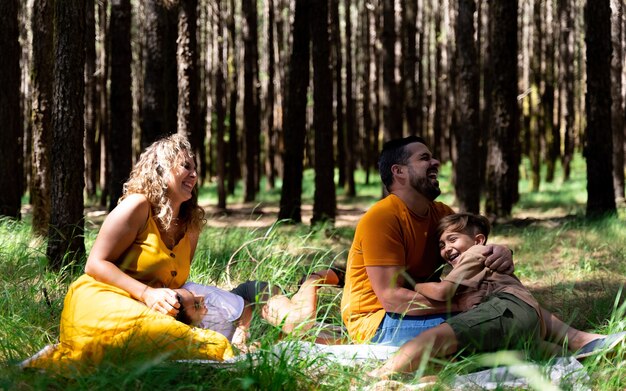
[396, 329]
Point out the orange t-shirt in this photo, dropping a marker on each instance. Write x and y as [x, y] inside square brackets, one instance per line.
[389, 234]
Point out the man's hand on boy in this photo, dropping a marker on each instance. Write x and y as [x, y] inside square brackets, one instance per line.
[499, 258]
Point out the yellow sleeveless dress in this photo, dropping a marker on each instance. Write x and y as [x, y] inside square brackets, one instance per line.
[100, 321]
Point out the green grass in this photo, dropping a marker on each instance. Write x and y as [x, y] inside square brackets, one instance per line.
[575, 267]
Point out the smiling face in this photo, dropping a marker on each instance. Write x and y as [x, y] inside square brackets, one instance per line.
[423, 170]
[182, 179]
[453, 243]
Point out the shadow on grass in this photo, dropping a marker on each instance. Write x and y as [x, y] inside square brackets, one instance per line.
[585, 305]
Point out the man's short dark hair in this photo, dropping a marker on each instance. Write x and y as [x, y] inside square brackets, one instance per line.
[394, 152]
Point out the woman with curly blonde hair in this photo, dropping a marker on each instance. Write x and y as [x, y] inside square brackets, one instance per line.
[124, 305]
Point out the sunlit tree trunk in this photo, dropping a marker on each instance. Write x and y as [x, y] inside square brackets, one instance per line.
[43, 64]
[65, 235]
[503, 144]
[337, 63]
[467, 177]
[187, 68]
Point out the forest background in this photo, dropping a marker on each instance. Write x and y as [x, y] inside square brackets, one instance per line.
[287, 103]
[266, 89]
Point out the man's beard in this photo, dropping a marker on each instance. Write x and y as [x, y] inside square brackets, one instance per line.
[424, 186]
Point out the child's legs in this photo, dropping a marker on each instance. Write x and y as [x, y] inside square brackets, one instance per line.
[439, 341]
[559, 332]
[299, 311]
[501, 321]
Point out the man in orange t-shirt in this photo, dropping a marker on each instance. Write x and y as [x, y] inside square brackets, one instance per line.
[395, 246]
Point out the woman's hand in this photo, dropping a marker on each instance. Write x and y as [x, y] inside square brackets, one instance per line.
[499, 258]
[162, 300]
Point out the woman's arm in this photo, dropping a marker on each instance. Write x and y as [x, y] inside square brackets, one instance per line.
[118, 232]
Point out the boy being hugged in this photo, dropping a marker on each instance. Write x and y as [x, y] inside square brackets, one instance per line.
[499, 312]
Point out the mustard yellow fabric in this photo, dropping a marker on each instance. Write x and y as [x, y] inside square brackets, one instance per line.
[389, 234]
[100, 321]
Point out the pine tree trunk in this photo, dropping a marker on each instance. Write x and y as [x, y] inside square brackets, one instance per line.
[467, 177]
[234, 166]
[366, 91]
[392, 119]
[410, 60]
[537, 122]
[91, 101]
[220, 111]
[120, 143]
[295, 116]
[567, 87]
[270, 139]
[598, 149]
[337, 61]
[103, 117]
[11, 164]
[617, 108]
[502, 158]
[324, 203]
[552, 132]
[350, 135]
[65, 235]
[155, 118]
[187, 59]
[252, 124]
[43, 65]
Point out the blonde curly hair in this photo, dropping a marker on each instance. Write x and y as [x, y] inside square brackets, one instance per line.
[149, 177]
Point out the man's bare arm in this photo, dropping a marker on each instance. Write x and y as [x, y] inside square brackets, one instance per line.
[387, 285]
[439, 291]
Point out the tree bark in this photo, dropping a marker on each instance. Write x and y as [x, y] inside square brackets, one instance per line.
[43, 65]
[467, 177]
[502, 158]
[270, 139]
[617, 108]
[350, 134]
[324, 203]
[392, 112]
[220, 111]
[187, 59]
[11, 164]
[598, 149]
[234, 166]
[65, 235]
[91, 101]
[295, 116]
[121, 134]
[252, 122]
[156, 121]
[566, 52]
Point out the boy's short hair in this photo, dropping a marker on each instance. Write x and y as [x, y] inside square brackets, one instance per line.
[467, 223]
[394, 152]
[182, 315]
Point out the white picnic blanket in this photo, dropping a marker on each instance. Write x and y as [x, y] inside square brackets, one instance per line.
[563, 372]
